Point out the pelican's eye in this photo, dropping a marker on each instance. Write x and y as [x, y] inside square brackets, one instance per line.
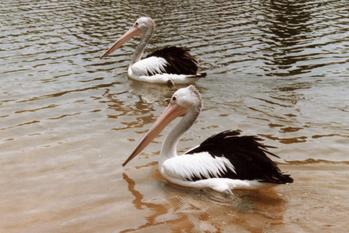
[174, 98]
[136, 24]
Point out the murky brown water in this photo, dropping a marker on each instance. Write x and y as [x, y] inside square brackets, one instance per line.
[278, 69]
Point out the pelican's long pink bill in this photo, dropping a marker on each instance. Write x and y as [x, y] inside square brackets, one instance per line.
[170, 113]
[134, 31]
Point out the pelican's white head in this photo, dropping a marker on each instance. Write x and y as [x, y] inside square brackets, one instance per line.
[144, 27]
[184, 101]
[144, 24]
[188, 98]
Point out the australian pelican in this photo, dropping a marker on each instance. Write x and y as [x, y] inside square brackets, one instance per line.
[168, 65]
[222, 162]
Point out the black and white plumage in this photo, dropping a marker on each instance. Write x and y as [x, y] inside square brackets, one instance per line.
[247, 155]
[170, 64]
[222, 162]
[178, 60]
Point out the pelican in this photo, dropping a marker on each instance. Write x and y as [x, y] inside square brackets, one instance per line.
[223, 162]
[172, 64]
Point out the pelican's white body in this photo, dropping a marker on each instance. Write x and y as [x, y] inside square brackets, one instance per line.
[179, 169]
[140, 71]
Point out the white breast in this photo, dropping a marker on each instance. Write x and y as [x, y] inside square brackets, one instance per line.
[150, 65]
[180, 169]
[156, 66]
[195, 165]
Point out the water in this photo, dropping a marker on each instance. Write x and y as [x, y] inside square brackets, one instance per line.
[277, 69]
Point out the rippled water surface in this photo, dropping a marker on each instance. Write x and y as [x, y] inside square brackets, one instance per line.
[277, 69]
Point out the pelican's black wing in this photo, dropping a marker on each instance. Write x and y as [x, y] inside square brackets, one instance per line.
[179, 60]
[247, 154]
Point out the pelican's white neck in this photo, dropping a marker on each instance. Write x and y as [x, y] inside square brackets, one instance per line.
[169, 147]
[137, 55]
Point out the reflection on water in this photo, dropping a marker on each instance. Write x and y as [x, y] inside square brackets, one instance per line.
[287, 25]
[192, 210]
[158, 210]
[277, 69]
